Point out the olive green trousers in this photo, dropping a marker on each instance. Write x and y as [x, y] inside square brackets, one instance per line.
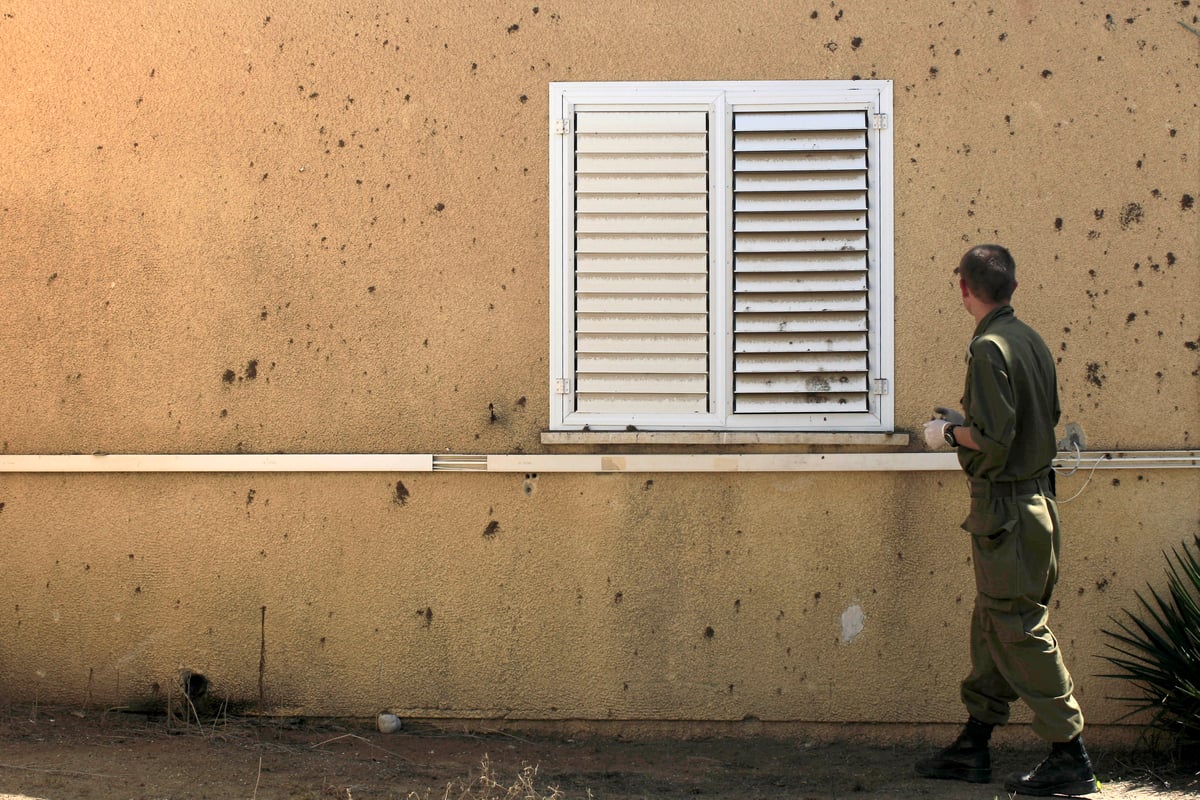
[1014, 655]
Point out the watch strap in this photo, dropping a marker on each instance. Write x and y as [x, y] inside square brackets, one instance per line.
[948, 434]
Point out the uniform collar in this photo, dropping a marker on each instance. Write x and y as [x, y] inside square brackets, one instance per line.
[1002, 311]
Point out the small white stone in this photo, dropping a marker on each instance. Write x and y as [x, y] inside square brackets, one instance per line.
[388, 723]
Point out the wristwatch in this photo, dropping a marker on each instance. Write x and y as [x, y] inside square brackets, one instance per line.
[948, 433]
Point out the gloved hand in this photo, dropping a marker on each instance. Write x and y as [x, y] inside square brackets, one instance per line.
[935, 434]
[950, 415]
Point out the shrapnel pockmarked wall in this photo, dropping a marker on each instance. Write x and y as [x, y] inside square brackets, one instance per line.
[292, 228]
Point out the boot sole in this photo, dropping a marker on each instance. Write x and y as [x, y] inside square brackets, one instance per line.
[964, 774]
[1072, 789]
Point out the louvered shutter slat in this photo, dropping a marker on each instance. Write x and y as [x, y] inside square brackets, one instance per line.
[633, 283]
[618, 142]
[614, 403]
[642, 344]
[640, 263]
[606, 322]
[841, 181]
[801, 362]
[644, 223]
[801, 262]
[641, 123]
[800, 241]
[794, 123]
[851, 200]
[833, 221]
[632, 242]
[793, 382]
[813, 403]
[815, 303]
[808, 141]
[642, 163]
[801, 342]
[808, 282]
[641, 363]
[784, 323]
[819, 160]
[642, 383]
[627, 303]
[633, 183]
[647, 203]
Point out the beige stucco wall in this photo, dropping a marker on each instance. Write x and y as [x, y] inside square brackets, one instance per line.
[594, 597]
[294, 227]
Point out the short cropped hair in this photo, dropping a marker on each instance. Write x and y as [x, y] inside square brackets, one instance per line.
[990, 272]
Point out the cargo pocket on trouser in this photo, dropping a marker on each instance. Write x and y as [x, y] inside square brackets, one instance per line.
[995, 546]
[1038, 527]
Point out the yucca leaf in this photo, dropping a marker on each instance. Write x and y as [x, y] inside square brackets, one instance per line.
[1157, 649]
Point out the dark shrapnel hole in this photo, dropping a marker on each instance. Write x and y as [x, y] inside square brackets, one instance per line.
[195, 685]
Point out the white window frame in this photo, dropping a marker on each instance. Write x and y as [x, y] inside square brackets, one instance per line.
[719, 99]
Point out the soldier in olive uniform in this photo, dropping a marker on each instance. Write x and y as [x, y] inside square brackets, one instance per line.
[1005, 444]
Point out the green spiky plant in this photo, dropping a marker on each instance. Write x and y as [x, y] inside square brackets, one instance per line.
[1158, 651]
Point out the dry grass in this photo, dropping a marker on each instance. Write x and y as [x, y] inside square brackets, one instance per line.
[486, 785]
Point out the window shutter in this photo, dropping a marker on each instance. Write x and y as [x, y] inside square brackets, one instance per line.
[721, 256]
[641, 262]
[800, 249]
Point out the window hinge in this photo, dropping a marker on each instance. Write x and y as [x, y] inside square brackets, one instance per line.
[879, 122]
[562, 126]
[562, 386]
[880, 386]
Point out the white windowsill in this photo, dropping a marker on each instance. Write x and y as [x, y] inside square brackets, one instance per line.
[725, 437]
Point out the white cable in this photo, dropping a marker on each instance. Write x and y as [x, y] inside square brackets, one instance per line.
[1085, 483]
[1074, 469]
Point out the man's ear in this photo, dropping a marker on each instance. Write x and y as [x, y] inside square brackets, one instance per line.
[962, 285]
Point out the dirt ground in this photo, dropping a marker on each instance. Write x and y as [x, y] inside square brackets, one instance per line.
[61, 754]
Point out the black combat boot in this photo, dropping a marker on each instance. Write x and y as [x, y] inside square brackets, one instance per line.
[1066, 771]
[967, 759]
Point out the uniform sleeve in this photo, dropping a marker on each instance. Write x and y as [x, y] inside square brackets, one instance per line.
[992, 416]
